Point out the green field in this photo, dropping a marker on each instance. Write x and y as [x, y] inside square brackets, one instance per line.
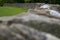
[8, 11]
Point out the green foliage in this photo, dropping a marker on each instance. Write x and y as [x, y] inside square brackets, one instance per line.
[19, 1]
[29, 1]
[7, 11]
[1, 2]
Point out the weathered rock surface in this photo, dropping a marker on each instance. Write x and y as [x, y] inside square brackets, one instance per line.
[22, 32]
[39, 22]
[18, 27]
[43, 23]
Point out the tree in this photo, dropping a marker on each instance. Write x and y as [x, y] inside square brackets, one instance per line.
[1, 2]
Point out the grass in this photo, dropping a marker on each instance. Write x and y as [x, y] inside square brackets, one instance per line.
[8, 11]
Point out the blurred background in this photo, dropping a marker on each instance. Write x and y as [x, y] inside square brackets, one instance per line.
[29, 1]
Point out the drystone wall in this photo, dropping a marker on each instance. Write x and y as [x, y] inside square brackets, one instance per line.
[23, 5]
